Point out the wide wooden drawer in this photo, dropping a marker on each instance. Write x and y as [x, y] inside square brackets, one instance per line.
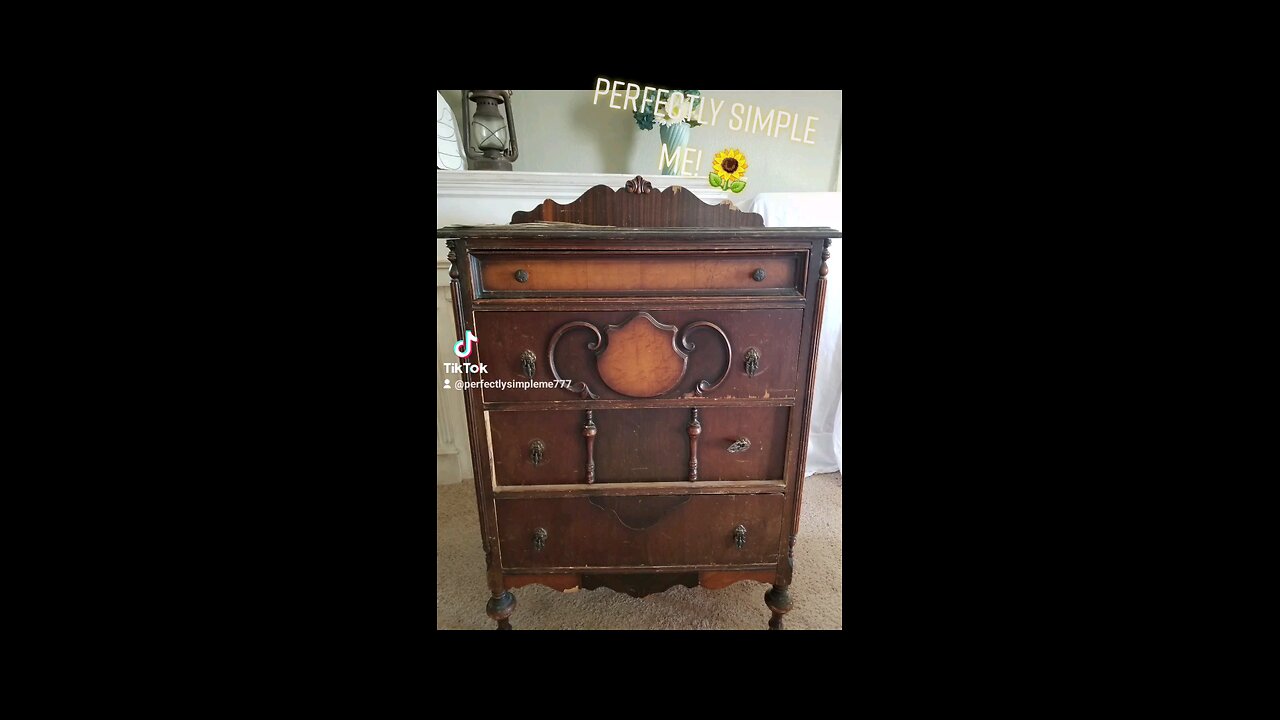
[599, 273]
[652, 445]
[625, 355]
[644, 531]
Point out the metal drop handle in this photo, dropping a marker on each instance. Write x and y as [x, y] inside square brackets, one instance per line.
[537, 451]
[742, 444]
[752, 361]
[527, 360]
[539, 539]
[740, 536]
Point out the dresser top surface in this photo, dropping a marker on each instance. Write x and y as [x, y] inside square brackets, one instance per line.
[577, 231]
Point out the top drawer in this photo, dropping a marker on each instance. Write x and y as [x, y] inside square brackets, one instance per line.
[510, 274]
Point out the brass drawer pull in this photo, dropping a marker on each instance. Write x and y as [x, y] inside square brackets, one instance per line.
[752, 362]
[742, 444]
[521, 275]
[527, 359]
[539, 539]
[758, 275]
[537, 451]
[740, 537]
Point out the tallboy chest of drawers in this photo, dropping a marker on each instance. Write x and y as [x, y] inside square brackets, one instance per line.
[643, 416]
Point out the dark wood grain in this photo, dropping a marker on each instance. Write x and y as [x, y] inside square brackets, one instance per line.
[765, 427]
[607, 273]
[722, 579]
[709, 487]
[564, 237]
[731, 287]
[639, 531]
[561, 582]
[639, 584]
[640, 358]
[638, 445]
[673, 207]
[504, 336]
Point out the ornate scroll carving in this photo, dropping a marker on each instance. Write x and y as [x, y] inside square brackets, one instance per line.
[705, 386]
[589, 432]
[640, 584]
[580, 387]
[637, 204]
[639, 185]
[642, 359]
[695, 429]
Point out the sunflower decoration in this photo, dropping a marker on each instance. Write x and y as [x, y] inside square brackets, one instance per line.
[728, 170]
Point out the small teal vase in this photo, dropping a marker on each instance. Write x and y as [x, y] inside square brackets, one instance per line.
[675, 137]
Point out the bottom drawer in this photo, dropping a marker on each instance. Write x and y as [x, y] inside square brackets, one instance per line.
[639, 531]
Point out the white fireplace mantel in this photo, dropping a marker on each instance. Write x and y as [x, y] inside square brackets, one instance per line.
[483, 197]
[561, 187]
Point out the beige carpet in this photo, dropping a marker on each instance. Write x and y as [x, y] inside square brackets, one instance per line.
[461, 590]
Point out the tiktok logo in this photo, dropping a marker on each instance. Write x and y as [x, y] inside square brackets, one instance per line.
[469, 338]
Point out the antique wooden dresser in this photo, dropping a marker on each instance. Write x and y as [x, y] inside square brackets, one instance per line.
[668, 348]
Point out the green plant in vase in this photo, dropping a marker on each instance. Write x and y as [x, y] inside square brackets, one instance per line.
[674, 117]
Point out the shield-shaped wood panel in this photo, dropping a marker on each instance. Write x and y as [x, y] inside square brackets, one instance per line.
[641, 358]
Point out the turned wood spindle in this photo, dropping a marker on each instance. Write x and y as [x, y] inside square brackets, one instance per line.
[589, 432]
[779, 602]
[500, 607]
[695, 429]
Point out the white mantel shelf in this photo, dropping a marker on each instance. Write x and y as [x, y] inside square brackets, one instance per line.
[561, 187]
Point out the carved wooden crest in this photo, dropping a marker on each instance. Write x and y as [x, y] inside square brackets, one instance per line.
[639, 185]
[637, 204]
[641, 358]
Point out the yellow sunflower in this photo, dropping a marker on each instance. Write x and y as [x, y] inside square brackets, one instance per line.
[730, 164]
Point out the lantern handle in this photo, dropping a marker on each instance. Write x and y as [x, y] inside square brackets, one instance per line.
[512, 152]
[466, 126]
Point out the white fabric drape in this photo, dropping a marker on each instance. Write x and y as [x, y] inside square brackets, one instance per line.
[818, 209]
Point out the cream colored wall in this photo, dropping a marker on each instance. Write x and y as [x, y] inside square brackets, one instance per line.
[562, 131]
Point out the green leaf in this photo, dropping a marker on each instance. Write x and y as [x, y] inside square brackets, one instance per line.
[737, 186]
[714, 179]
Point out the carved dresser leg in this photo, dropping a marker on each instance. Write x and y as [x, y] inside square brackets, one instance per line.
[779, 601]
[499, 608]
